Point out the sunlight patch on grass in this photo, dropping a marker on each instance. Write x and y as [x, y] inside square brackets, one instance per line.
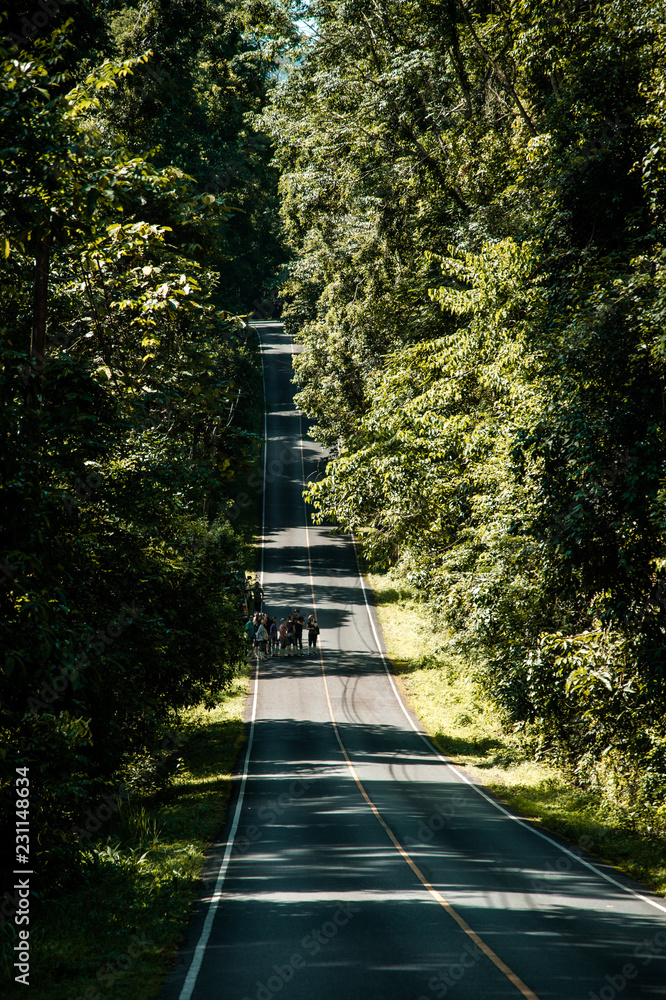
[467, 727]
[112, 937]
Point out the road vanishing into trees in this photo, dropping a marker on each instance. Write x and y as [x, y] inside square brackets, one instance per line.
[357, 862]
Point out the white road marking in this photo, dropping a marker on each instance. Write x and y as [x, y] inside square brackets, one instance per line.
[462, 776]
[214, 900]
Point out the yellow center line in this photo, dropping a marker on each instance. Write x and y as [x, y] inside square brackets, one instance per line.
[436, 895]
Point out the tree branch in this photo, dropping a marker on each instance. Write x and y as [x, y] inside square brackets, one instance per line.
[498, 71]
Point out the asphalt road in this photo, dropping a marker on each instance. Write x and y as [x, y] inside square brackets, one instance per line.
[357, 862]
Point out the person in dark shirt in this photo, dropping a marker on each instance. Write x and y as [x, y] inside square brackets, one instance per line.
[299, 622]
[313, 632]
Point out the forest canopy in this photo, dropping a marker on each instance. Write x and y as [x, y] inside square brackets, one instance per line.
[138, 224]
[474, 197]
[460, 206]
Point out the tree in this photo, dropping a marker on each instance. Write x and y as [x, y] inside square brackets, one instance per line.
[119, 599]
[473, 200]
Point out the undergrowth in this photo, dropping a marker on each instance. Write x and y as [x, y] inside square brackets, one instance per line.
[113, 933]
[456, 710]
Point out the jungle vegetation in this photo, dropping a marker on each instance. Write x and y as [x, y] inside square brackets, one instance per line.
[473, 192]
[461, 203]
[138, 221]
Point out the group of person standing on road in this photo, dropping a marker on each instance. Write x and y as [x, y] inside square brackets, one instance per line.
[267, 638]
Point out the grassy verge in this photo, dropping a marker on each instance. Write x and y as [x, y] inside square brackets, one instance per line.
[464, 724]
[114, 934]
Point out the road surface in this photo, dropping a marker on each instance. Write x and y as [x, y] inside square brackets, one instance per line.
[357, 864]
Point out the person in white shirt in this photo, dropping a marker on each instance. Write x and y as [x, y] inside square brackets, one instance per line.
[262, 636]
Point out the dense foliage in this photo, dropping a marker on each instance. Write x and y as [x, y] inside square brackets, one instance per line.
[475, 197]
[136, 220]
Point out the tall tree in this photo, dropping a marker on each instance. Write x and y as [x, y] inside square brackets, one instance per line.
[119, 597]
[473, 198]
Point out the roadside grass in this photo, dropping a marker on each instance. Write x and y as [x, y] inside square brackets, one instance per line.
[466, 726]
[113, 936]
[114, 933]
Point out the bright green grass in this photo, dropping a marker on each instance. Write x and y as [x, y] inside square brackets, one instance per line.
[466, 726]
[113, 937]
